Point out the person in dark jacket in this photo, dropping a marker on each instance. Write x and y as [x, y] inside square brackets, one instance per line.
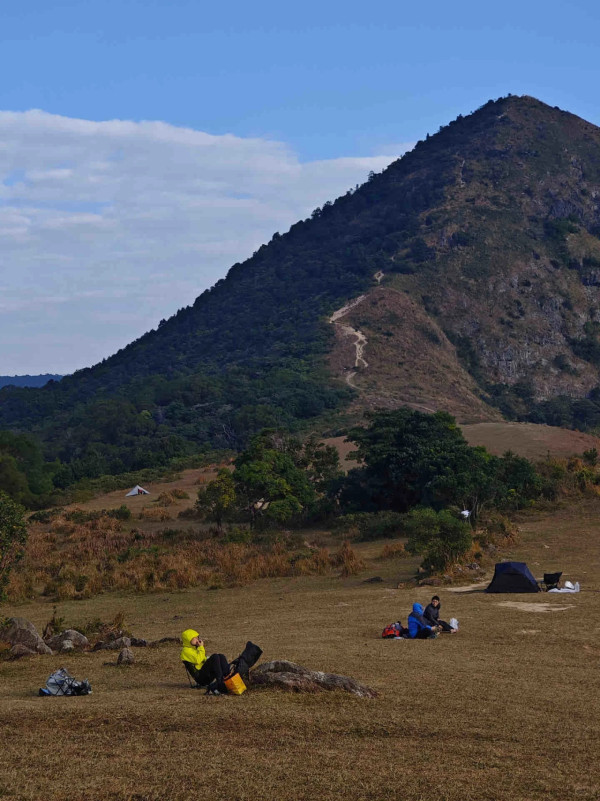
[418, 627]
[432, 615]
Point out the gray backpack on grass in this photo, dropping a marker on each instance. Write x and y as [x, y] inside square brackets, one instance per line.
[62, 683]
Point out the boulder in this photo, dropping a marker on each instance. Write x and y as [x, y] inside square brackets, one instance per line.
[19, 623]
[430, 582]
[18, 631]
[138, 642]
[19, 651]
[116, 645]
[79, 641]
[296, 678]
[66, 646]
[126, 657]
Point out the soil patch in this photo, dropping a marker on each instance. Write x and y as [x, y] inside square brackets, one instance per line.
[531, 607]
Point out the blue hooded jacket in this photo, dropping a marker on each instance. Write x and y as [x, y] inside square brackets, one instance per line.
[416, 621]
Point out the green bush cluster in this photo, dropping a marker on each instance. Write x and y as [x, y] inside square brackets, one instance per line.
[373, 525]
[417, 472]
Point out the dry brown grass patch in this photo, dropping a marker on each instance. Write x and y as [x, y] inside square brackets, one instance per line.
[392, 550]
[491, 691]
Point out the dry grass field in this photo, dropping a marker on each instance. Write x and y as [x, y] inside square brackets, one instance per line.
[506, 710]
[530, 440]
[189, 482]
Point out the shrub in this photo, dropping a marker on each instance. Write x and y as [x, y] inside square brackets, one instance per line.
[44, 516]
[13, 537]
[98, 629]
[439, 537]
[498, 530]
[238, 534]
[191, 513]
[393, 550]
[347, 559]
[123, 512]
[165, 499]
[373, 525]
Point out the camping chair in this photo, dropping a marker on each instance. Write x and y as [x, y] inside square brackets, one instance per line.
[193, 684]
[550, 581]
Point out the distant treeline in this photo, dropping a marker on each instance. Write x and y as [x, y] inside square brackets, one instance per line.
[28, 380]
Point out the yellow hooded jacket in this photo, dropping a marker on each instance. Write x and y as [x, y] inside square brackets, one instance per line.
[195, 655]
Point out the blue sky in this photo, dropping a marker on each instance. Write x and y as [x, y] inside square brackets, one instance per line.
[177, 136]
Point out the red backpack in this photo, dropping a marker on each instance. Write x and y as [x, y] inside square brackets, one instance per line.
[394, 630]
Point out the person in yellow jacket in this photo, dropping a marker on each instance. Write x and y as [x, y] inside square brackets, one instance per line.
[204, 671]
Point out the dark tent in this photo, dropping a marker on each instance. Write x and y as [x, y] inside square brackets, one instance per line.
[512, 577]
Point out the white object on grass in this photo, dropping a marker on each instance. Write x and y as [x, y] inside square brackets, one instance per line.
[569, 587]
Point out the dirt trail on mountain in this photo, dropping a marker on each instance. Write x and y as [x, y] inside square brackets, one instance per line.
[360, 340]
[410, 360]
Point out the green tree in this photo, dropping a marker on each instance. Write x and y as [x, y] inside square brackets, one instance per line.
[23, 473]
[322, 462]
[411, 459]
[273, 479]
[13, 481]
[218, 498]
[13, 537]
[414, 459]
[439, 537]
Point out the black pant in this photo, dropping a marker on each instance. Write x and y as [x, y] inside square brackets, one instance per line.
[424, 634]
[445, 626]
[215, 667]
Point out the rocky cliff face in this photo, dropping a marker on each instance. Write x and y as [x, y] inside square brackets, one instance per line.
[506, 262]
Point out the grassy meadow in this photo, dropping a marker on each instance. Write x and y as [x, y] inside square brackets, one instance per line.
[504, 710]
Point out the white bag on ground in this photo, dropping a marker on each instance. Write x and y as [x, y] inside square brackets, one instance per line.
[454, 623]
[569, 587]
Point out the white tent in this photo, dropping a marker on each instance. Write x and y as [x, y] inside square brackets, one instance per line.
[137, 490]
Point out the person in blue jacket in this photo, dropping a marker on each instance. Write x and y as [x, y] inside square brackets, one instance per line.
[418, 627]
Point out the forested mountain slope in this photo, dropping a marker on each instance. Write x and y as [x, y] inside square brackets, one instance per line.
[484, 241]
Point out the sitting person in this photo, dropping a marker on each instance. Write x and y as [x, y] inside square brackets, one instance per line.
[418, 627]
[432, 615]
[205, 672]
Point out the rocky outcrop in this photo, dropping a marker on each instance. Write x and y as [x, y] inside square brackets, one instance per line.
[296, 678]
[19, 651]
[78, 641]
[18, 631]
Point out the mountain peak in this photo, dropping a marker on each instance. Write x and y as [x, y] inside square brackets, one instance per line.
[478, 257]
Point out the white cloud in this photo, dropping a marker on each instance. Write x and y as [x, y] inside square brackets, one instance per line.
[107, 227]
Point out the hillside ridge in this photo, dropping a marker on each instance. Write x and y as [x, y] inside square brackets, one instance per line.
[481, 250]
